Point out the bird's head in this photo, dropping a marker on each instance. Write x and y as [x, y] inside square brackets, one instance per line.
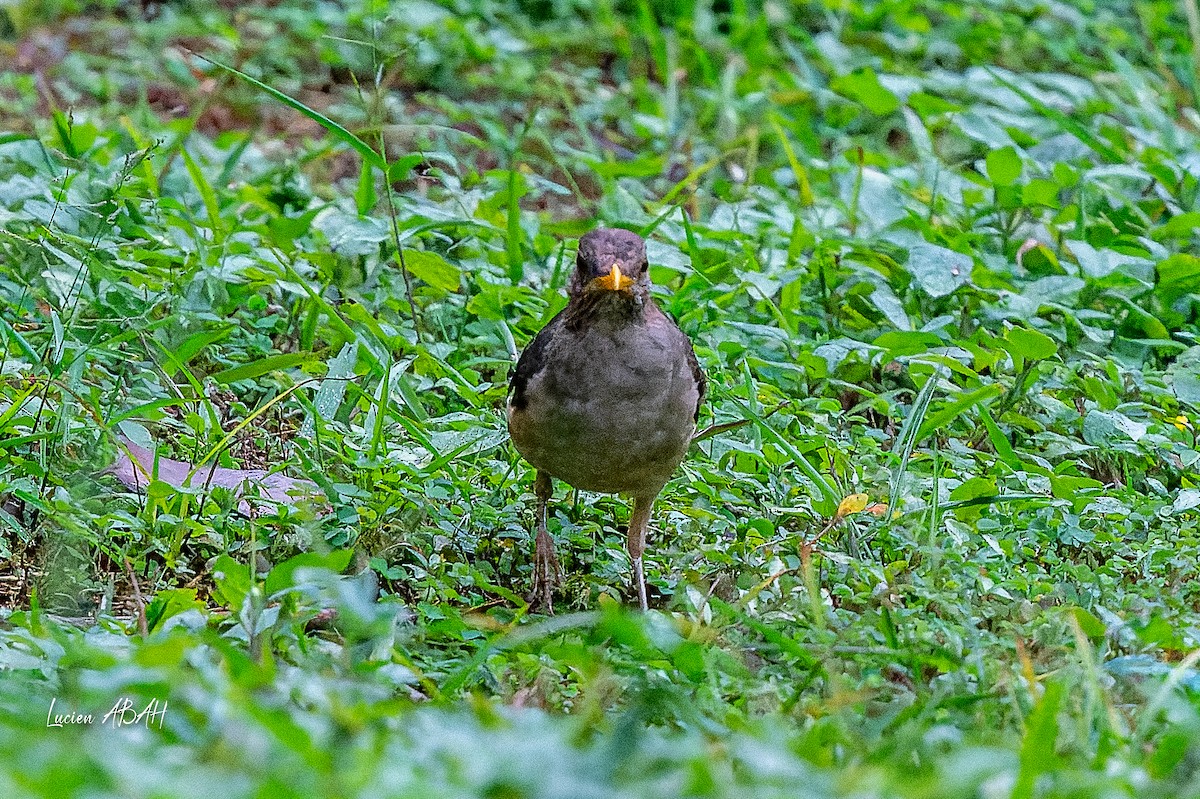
[611, 263]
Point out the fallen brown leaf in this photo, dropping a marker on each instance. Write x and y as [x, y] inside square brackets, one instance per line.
[135, 464]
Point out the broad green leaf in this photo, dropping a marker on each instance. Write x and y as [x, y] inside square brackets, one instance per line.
[351, 235]
[864, 86]
[1074, 488]
[930, 104]
[1180, 226]
[1187, 499]
[193, 344]
[1092, 627]
[1031, 344]
[1040, 191]
[232, 582]
[495, 300]
[1039, 260]
[366, 196]
[171, 602]
[1104, 428]
[899, 343]
[938, 270]
[1185, 377]
[328, 400]
[888, 304]
[1004, 166]
[974, 488]
[433, 269]
[282, 575]
[1178, 275]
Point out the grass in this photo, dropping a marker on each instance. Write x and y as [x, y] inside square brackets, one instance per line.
[938, 256]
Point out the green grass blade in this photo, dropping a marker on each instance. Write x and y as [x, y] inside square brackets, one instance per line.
[339, 132]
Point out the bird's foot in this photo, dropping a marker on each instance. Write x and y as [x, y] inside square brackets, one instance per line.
[639, 578]
[547, 574]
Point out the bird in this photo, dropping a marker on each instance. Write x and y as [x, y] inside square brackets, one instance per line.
[606, 397]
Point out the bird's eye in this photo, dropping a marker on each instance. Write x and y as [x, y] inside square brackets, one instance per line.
[645, 267]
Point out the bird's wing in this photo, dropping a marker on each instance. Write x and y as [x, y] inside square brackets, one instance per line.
[532, 361]
[685, 344]
[697, 374]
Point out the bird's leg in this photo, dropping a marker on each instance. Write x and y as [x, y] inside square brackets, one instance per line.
[639, 523]
[547, 574]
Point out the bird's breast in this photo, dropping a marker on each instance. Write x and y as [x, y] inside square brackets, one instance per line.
[609, 411]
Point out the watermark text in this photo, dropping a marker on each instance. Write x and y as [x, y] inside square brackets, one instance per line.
[123, 713]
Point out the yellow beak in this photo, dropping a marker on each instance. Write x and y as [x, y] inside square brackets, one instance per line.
[615, 278]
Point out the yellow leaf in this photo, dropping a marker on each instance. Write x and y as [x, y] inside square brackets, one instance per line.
[853, 503]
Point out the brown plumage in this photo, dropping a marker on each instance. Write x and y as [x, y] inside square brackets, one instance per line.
[606, 396]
